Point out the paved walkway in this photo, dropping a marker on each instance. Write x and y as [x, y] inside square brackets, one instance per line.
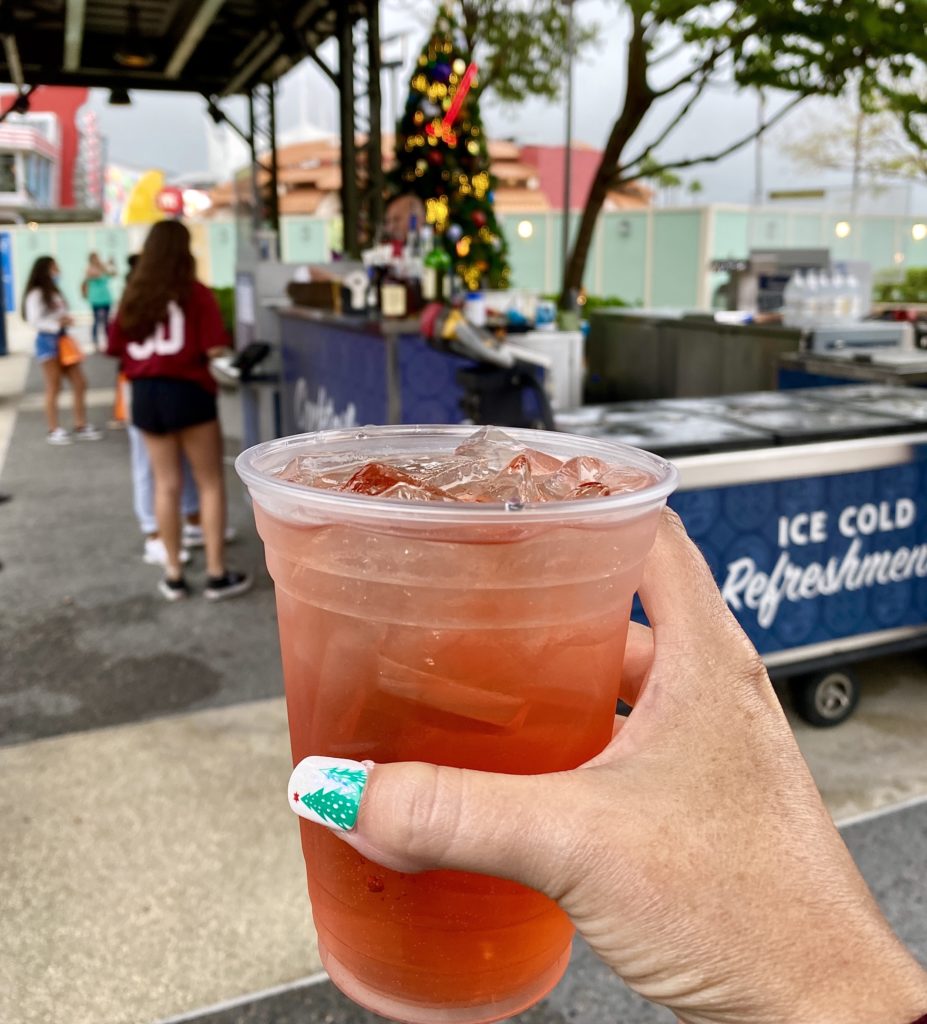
[148, 866]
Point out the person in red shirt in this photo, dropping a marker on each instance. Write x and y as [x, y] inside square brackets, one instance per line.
[167, 327]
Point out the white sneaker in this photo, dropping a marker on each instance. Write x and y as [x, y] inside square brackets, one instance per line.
[58, 436]
[193, 535]
[156, 553]
[88, 432]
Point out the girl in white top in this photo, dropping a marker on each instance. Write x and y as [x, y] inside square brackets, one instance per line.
[45, 309]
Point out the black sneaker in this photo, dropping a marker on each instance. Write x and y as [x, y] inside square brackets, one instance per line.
[174, 590]
[229, 584]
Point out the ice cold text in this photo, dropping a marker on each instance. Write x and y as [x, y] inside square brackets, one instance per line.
[748, 586]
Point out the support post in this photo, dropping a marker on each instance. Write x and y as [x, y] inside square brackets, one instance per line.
[350, 196]
[252, 143]
[273, 211]
[374, 105]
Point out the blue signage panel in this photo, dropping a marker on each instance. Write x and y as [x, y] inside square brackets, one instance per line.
[331, 378]
[6, 270]
[813, 559]
[428, 382]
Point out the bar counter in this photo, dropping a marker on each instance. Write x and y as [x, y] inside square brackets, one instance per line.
[344, 371]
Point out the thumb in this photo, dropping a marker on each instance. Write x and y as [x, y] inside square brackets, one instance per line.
[417, 817]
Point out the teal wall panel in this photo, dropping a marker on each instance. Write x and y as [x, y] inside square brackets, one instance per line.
[222, 253]
[877, 242]
[72, 247]
[805, 230]
[624, 255]
[675, 259]
[28, 246]
[303, 240]
[528, 256]
[731, 235]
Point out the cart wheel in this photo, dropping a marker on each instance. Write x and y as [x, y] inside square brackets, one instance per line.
[825, 698]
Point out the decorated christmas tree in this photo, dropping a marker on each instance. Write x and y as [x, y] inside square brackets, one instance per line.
[338, 800]
[442, 157]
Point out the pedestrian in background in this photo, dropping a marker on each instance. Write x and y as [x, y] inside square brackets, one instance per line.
[143, 488]
[95, 289]
[45, 309]
[167, 327]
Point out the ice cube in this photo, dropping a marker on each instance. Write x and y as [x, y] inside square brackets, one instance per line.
[453, 474]
[490, 446]
[375, 478]
[291, 472]
[414, 492]
[513, 484]
[319, 471]
[541, 463]
[590, 489]
[621, 479]
[586, 468]
[471, 703]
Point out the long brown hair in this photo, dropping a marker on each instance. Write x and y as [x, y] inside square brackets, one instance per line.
[165, 271]
[41, 277]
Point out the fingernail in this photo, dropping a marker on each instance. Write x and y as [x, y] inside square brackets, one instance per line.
[328, 790]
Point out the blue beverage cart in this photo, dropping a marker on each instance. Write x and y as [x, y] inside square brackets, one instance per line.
[811, 509]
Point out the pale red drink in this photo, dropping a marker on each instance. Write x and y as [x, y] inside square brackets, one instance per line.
[466, 609]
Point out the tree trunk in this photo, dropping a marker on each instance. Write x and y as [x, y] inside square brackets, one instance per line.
[638, 100]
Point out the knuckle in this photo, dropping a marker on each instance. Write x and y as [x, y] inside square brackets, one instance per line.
[422, 814]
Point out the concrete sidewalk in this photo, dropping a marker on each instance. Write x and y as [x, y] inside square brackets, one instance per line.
[148, 864]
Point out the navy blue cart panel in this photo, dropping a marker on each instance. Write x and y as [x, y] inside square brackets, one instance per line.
[816, 543]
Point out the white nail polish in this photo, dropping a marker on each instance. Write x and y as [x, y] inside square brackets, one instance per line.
[328, 790]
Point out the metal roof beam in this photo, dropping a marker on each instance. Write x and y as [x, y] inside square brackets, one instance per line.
[257, 62]
[13, 62]
[192, 36]
[73, 33]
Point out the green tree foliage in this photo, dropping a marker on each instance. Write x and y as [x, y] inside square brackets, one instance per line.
[804, 47]
[519, 45]
[448, 168]
[838, 135]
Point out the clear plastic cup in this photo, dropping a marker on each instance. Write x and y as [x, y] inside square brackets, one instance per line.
[480, 636]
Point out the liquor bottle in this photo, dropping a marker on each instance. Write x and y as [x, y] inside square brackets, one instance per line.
[413, 248]
[436, 276]
[394, 302]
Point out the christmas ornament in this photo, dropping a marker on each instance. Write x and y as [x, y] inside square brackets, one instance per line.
[442, 72]
[454, 232]
[460, 66]
[479, 218]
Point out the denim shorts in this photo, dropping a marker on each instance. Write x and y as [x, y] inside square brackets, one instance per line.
[46, 346]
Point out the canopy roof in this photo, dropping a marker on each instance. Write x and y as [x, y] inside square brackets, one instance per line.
[214, 47]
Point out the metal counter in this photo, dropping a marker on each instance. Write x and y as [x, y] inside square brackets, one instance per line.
[641, 355]
[907, 368]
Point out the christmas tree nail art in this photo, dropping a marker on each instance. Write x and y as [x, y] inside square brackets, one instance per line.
[328, 790]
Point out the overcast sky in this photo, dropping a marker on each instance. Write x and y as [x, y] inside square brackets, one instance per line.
[169, 131]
